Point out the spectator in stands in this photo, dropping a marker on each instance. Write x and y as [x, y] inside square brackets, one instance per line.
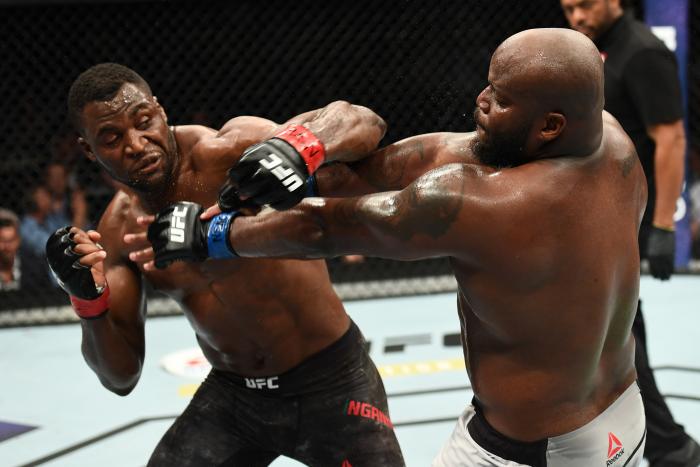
[39, 221]
[19, 269]
[67, 199]
[9, 248]
[97, 187]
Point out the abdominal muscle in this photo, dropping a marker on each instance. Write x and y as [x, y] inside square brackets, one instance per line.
[257, 317]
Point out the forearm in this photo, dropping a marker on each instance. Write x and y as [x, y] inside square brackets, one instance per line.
[388, 225]
[668, 175]
[300, 232]
[348, 132]
[391, 168]
[109, 354]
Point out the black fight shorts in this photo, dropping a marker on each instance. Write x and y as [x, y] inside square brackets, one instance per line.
[331, 410]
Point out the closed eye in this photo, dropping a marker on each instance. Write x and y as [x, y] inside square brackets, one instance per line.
[144, 124]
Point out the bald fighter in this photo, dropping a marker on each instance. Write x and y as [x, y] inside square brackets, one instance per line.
[538, 211]
[290, 375]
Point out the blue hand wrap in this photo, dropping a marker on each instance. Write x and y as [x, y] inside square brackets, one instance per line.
[311, 187]
[217, 236]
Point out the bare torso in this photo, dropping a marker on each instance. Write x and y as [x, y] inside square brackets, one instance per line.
[254, 317]
[548, 297]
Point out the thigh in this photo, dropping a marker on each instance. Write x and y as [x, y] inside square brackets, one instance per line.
[349, 424]
[209, 434]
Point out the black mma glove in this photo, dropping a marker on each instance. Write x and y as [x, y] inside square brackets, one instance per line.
[178, 234]
[88, 300]
[274, 172]
[661, 250]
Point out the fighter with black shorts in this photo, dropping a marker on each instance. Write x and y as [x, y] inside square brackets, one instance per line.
[290, 374]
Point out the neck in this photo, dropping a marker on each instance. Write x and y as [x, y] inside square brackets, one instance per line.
[581, 138]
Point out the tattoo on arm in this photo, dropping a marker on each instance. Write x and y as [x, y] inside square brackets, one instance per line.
[426, 210]
[627, 164]
[387, 173]
[429, 206]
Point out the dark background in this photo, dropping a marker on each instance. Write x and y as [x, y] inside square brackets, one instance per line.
[418, 64]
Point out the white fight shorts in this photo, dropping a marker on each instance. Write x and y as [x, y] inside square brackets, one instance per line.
[615, 438]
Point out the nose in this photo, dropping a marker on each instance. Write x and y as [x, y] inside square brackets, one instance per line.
[482, 100]
[135, 142]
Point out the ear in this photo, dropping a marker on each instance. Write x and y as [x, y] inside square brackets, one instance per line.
[554, 124]
[87, 150]
[160, 109]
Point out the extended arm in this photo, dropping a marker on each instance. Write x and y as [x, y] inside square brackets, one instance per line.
[395, 166]
[425, 219]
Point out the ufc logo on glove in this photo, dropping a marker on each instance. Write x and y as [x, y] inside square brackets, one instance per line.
[177, 227]
[289, 179]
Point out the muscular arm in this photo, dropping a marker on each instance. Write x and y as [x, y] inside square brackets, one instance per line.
[348, 132]
[393, 167]
[113, 345]
[668, 173]
[431, 217]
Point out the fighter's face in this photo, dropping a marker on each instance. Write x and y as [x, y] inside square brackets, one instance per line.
[502, 124]
[130, 138]
[590, 17]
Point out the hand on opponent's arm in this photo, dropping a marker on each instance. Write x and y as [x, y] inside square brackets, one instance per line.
[279, 171]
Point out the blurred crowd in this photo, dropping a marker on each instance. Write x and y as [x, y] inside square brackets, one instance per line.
[67, 190]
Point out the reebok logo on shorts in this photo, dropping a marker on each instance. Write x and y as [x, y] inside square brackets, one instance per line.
[363, 409]
[615, 449]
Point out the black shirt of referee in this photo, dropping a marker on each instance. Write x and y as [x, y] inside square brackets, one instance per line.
[641, 88]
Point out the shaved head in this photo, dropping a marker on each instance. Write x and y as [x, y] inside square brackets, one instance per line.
[544, 97]
[560, 68]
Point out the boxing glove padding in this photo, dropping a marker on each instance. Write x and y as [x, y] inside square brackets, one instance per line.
[178, 234]
[89, 301]
[72, 276]
[275, 171]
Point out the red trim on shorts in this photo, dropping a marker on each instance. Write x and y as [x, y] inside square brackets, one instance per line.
[309, 147]
[91, 308]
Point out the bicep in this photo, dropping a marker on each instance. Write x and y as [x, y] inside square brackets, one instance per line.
[241, 132]
[390, 168]
[429, 218]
